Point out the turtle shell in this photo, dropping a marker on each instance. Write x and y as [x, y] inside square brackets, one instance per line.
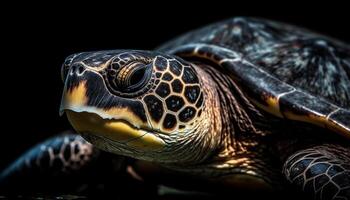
[287, 71]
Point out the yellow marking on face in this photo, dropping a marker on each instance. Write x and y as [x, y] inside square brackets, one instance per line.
[92, 123]
[115, 130]
[75, 96]
[75, 99]
[126, 115]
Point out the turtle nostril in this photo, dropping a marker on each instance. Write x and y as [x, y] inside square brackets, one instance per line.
[77, 70]
[80, 69]
[72, 70]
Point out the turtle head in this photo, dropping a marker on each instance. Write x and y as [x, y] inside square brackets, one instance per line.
[142, 104]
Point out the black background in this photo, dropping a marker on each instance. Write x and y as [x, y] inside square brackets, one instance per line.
[37, 38]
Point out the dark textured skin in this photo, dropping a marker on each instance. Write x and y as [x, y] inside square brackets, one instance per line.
[307, 74]
[323, 170]
[50, 163]
[66, 153]
[250, 59]
[68, 167]
[288, 53]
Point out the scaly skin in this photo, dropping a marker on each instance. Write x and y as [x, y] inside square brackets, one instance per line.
[228, 113]
[237, 160]
[323, 171]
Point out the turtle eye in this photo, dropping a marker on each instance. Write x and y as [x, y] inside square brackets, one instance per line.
[133, 77]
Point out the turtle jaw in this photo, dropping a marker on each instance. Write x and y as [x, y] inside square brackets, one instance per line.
[119, 132]
[122, 124]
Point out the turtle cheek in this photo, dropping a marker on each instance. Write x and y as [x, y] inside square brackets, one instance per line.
[171, 105]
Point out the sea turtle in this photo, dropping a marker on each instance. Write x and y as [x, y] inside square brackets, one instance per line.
[237, 105]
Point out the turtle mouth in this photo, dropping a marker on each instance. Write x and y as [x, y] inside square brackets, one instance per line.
[112, 124]
[117, 130]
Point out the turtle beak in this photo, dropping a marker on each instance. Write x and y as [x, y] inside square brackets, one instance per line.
[117, 131]
[75, 89]
[74, 98]
[118, 124]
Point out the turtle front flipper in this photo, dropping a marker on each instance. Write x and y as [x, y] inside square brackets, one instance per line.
[61, 164]
[322, 171]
